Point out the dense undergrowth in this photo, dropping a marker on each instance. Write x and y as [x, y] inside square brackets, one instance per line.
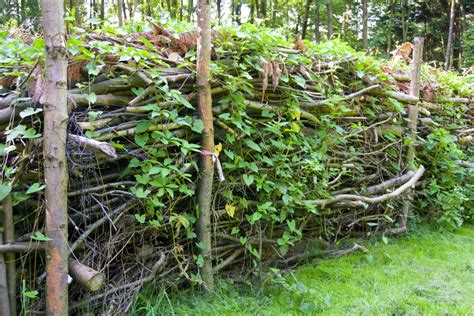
[428, 272]
[298, 128]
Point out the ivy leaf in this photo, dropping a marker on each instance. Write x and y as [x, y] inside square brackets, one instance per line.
[29, 112]
[40, 237]
[248, 179]
[140, 218]
[198, 126]
[35, 187]
[253, 145]
[91, 97]
[92, 68]
[5, 189]
[243, 240]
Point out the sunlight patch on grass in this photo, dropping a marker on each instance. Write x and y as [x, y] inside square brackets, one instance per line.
[428, 272]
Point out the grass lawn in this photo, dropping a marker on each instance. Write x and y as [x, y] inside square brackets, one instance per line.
[425, 273]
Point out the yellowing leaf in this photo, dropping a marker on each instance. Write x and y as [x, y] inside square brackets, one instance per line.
[217, 149]
[230, 210]
[296, 126]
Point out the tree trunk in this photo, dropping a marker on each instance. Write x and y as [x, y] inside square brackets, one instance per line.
[317, 22]
[274, 12]
[4, 300]
[219, 9]
[405, 9]
[190, 10]
[365, 18]
[389, 28]
[120, 12]
[55, 163]
[204, 191]
[9, 237]
[449, 46]
[263, 10]
[174, 6]
[102, 10]
[330, 13]
[305, 21]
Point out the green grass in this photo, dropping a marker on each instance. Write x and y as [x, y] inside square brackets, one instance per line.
[426, 273]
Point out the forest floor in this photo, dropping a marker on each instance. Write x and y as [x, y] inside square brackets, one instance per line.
[427, 272]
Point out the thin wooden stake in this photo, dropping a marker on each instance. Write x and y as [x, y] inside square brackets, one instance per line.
[55, 163]
[9, 237]
[4, 300]
[204, 194]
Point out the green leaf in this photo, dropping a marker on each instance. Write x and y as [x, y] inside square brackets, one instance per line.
[253, 145]
[30, 111]
[141, 139]
[140, 193]
[243, 240]
[142, 127]
[140, 218]
[5, 189]
[35, 187]
[198, 126]
[248, 179]
[91, 97]
[40, 237]
[179, 97]
[31, 294]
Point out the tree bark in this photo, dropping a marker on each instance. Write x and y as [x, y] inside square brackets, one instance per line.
[9, 237]
[4, 300]
[120, 12]
[449, 46]
[204, 192]
[389, 27]
[365, 18]
[55, 163]
[415, 85]
[405, 9]
[415, 92]
[330, 13]
[317, 22]
[305, 21]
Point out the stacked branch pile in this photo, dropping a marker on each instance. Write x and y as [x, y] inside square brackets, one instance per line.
[311, 143]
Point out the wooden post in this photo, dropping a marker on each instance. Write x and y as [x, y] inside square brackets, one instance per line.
[413, 116]
[204, 191]
[415, 92]
[9, 237]
[4, 300]
[54, 152]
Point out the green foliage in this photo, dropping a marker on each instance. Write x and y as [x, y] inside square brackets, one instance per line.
[445, 195]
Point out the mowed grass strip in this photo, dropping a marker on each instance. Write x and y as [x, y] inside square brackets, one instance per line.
[425, 273]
